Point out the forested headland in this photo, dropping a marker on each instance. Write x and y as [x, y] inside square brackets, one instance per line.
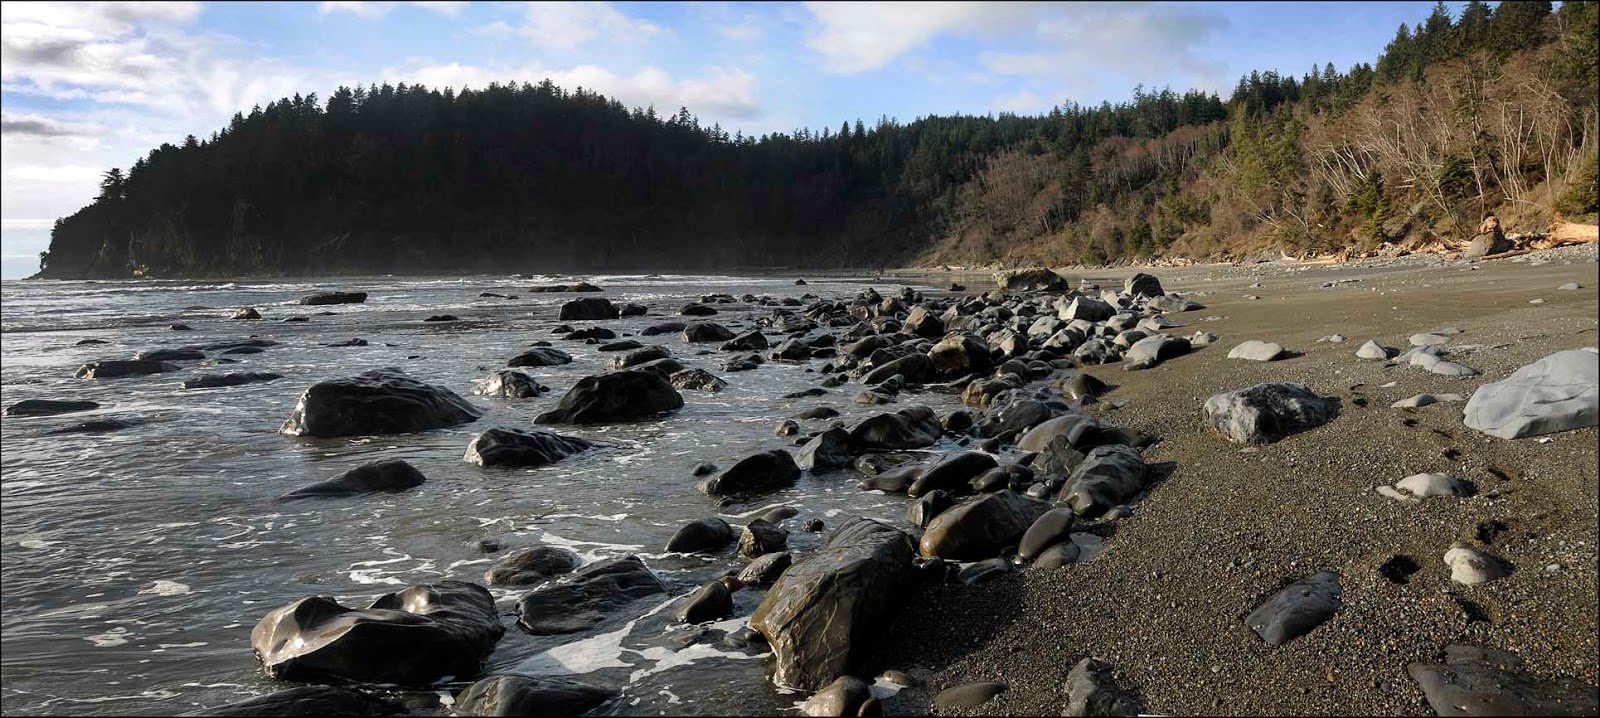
[1491, 112]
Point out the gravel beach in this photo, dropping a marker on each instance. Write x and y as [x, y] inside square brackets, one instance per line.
[1222, 528]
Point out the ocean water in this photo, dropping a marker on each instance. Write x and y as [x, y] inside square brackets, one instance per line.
[135, 563]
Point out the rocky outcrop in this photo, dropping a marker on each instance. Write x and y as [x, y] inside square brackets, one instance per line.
[412, 637]
[613, 397]
[1297, 609]
[381, 401]
[1488, 682]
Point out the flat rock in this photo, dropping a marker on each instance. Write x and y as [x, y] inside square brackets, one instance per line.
[700, 536]
[390, 476]
[531, 566]
[1090, 692]
[118, 368]
[324, 298]
[1421, 400]
[587, 596]
[540, 356]
[521, 447]
[1425, 485]
[588, 308]
[968, 695]
[524, 696]
[48, 407]
[1487, 682]
[1257, 350]
[381, 401]
[218, 381]
[1297, 609]
[1108, 476]
[911, 428]
[1556, 393]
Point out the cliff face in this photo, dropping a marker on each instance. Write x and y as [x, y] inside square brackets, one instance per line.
[1494, 113]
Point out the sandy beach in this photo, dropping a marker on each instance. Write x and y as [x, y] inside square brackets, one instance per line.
[1223, 528]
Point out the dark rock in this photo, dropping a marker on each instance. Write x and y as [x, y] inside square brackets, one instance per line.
[531, 566]
[983, 571]
[540, 356]
[764, 471]
[828, 450]
[591, 335]
[952, 473]
[787, 427]
[171, 355]
[443, 318]
[117, 368]
[927, 507]
[924, 323]
[1142, 285]
[624, 345]
[587, 308]
[1486, 244]
[709, 602]
[1265, 413]
[697, 380]
[1057, 556]
[524, 696]
[322, 298]
[1052, 527]
[813, 526]
[664, 367]
[967, 695]
[585, 597]
[762, 572]
[844, 697]
[639, 355]
[215, 381]
[381, 401]
[914, 367]
[762, 537]
[1090, 691]
[1108, 476]
[521, 447]
[1487, 682]
[703, 469]
[390, 476]
[697, 332]
[742, 362]
[1082, 385]
[357, 342]
[613, 397]
[701, 536]
[778, 514]
[894, 481]
[88, 342]
[97, 426]
[632, 310]
[960, 354]
[1296, 610]
[825, 610]
[696, 310]
[509, 384]
[979, 528]
[911, 428]
[662, 328]
[315, 701]
[48, 407]
[412, 637]
[751, 341]
[816, 412]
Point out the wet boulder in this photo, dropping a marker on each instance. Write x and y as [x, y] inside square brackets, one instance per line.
[586, 597]
[952, 473]
[827, 609]
[697, 332]
[1556, 393]
[217, 381]
[513, 695]
[697, 380]
[171, 355]
[616, 396]
[924, 323]
[390, 476]
[540, 356]
[701, 536]
[1051, 528]
[915, 367]
[710, 602]
[827, 450]
[95, 426]
[1108, 476]
[118, 368]
[1142, 285]
[751, 341]
[521, 447]
[245, 313]
[911, 428]
[639, 356]
[960, 354]
[765, 569]
[843, 697]
[315, 701]
[588, 308]
[532, 566]
[1297, 609]
[48, 407]
[509, 384]
[412, 637]
[324, 298]
[381, 401]
[764, 471]
[761, 537]
[927, 507]
[981, 527]
[1265, 413]
[662, 328]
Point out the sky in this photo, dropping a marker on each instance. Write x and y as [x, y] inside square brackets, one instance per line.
[85, 87]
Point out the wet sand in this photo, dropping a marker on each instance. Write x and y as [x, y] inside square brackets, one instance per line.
[1222, 528]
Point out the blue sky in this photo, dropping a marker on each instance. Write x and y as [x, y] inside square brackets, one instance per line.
[90, 86]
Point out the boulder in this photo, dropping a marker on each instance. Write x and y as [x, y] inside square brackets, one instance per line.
[927, 507]
[381, 401]
[1153, 350]
[1487, 682]
[979, 528]
[639, 356]
[1556, 393]
[967, 695]
[588, 308]
[315, 701]
[697, 310]
[952, 473]
[696, 380]
[766, 569]
[586, 597]
[1034, 279]
[924, 323]
[701, 536]
[1052, 527]
[827, 450]
[118, 368]
[1087, 309]
[617, 396]
[1257, 350]
[1470, 567]
[322, 298]
[1296, 610]
[509, 384]
[761, 537]
[662, 328]
[1108, 477]
[1487, 243]
[824, 612]
[390, 476]
[540, 356]
[697, 332]
[413, 637]
[710, 602]
[751, 341]
[894, 481]
[96, 426]
[531, 566]
[911, 428]
[915, 367]
[1142, 285]
[48, 407]
[960, 354]
[764, 471]
[1265, 413]
[171, 355]
[1082, 385]
[1374, 350]
[1090, 692]
[521, 447]
[843, 697]
[524, 696]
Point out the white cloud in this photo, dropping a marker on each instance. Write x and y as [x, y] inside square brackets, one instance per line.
[379, 9]
[717, 94]
[859, 37]
[567, 25]
[1025, 101]
[35, 128]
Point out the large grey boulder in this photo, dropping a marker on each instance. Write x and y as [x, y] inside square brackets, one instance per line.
[381, 401]
[412, 637]
[825, 611]
[1108, 476]
[614, 396]
[522, 447]
[513, 695]
[979, 528]
[1556, 393]
[1257, 350]
[960, 354]
[1088, 309]
[586, 597]
[1487, 682]
[1090, 692]
[1296, 610]
[1153, 350]
[389, 476]
[1265, 413]
[1486, 244]
[828, 450]
[1034, 279]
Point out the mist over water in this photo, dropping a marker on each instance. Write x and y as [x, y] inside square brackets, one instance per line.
[136, 562]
